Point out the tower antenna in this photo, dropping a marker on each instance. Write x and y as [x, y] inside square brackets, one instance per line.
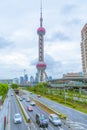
[41, 19]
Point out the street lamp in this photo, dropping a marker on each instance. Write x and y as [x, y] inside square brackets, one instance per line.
[64, 95]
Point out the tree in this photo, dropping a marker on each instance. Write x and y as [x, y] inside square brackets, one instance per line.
[14, 86]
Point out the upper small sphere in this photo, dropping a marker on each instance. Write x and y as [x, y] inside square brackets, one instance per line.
[41, 31]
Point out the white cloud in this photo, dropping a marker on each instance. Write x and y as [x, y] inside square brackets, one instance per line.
[19, 21]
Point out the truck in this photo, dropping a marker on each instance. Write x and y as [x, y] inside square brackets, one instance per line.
[16, 91]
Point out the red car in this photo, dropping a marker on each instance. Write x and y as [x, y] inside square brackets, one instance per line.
[29, 108]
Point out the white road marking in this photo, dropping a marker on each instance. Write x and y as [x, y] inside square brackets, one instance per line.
[75, 125]
[60, 128]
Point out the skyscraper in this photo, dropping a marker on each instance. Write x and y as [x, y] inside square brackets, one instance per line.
[41, 66]
[26, 78]
[84, 49]
[21, 79]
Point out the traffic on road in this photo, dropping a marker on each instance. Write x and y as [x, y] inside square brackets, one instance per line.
[39, 118]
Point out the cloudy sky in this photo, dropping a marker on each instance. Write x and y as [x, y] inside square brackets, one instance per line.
[19, 20]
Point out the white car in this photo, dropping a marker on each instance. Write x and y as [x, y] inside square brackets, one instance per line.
[21, 99]
[27, 99]
[55, 119]
[17, 118]
[32, 103]
[11, 94]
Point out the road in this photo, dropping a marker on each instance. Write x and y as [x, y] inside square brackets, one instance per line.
[76, 117]
[14, 108]
[37, 109]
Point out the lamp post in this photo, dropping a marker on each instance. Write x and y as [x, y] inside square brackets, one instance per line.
[64, 95]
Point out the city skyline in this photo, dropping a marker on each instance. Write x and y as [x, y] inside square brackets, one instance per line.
[19, 21]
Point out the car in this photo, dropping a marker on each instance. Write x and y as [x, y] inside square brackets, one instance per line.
[55, 120]
[38, 96]
[41, 120]
[21, 99]
[27, 99]
[11, 94]
[17, 118]
[29, 108]
[32, 103]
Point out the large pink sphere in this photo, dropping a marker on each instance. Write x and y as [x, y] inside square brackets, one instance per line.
[41, 66]
[41, 31]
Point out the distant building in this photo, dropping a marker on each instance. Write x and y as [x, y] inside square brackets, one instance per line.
[31, 79]
[21, 79]
[72, 75]
[84, 49]
[26, 78]
[36, 78]
[50, 78]
[6, 81]
[16, 81]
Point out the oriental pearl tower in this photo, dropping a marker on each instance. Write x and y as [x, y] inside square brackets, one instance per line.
[41, 66]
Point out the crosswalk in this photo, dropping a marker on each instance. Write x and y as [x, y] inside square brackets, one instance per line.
[74, 125]
[59, 128]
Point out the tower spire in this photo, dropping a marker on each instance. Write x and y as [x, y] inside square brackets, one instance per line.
[41, 19]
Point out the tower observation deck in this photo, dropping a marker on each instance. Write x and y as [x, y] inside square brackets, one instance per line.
[41, 66]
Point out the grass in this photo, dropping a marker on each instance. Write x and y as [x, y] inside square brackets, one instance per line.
[82, 107]
[58, 96]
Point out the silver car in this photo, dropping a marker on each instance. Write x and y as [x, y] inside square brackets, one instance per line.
[55, 119]
[27, 99]
[17, 118]
[32, 103]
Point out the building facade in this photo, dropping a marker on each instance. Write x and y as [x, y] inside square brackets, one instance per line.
[6, 81]
[21, 79]
[73, 75]
[16, 81]
[84, 49]
[26, 78]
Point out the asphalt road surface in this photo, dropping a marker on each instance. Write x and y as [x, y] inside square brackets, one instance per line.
[75, 117]
[37, 109]
[14, 108]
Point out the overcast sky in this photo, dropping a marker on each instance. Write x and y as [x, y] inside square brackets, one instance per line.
[19, 20]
